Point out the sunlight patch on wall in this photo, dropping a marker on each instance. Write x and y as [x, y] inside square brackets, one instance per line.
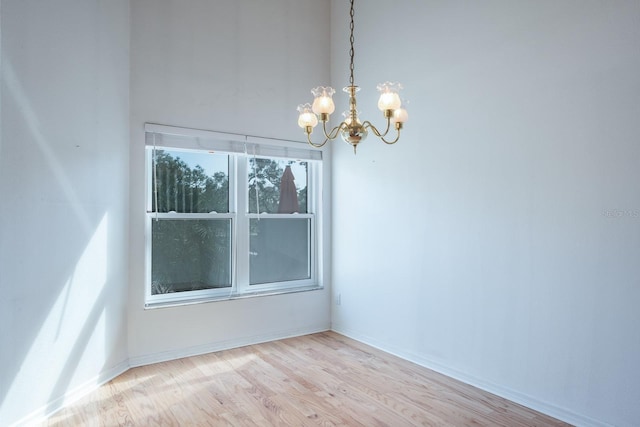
[75, 322]
[15, 90]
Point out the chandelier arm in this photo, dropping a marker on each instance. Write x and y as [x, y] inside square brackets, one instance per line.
[394, 141]
[311, 143]
[333, 133]
[376, 132]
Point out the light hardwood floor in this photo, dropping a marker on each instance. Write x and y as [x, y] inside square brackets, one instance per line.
[322, 379]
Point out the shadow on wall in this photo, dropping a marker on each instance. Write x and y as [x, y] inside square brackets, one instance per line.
[57, 256]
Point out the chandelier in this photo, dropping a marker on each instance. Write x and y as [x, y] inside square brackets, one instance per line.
[352, 130]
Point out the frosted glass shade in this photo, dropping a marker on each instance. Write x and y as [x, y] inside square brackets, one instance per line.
[323, 102]
[400, 115]
[389, 97]
[306, 117]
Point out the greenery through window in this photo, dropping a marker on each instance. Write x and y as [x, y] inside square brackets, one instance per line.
[190, 255]
[269, 180]
[189, 182]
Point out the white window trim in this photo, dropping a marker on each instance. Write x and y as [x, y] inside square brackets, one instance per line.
[240, 148]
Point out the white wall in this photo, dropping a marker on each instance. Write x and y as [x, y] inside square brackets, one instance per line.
[231, 66]
[64, 220]
[499, 240]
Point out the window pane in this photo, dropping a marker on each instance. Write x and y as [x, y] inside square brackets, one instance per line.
[190, 182]
[190, 254]
[277, 186]
[279, 250]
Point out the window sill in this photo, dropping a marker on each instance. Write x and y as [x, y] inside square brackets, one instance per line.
[231, 296]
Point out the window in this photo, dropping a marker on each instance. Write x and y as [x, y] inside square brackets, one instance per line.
[229, 216]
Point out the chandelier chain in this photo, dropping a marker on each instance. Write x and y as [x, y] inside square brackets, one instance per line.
[351, 51]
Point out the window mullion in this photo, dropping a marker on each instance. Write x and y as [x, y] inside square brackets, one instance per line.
[242, 227]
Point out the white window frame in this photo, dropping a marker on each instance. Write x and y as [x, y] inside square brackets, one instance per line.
[240, 149]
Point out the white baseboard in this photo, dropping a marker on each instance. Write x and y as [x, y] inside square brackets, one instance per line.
[164, 356]
[71, 396]
[512, 395]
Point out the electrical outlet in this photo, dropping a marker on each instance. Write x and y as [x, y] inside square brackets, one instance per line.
[339, 299]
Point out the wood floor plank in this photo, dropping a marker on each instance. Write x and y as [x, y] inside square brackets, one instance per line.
[322, 379]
